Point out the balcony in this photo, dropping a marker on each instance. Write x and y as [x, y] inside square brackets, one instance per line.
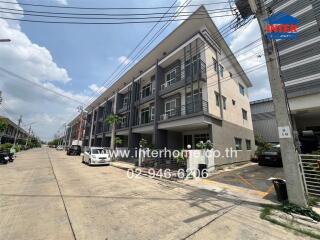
[123, 108]
[122, 125]
[185, 110]
[196, 71]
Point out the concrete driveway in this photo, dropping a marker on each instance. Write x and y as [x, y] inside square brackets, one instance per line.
[45, 194]
[253, 177]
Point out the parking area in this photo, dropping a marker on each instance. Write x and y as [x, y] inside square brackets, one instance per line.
[253, 177]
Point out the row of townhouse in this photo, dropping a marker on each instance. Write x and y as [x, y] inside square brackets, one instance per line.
[12, 131]
[189, 88]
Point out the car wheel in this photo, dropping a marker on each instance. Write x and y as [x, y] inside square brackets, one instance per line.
[89, 162]
[83, 160]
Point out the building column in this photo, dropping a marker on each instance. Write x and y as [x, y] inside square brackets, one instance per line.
[113, 131]
[156, 133]
[131, 113]
[91, 128]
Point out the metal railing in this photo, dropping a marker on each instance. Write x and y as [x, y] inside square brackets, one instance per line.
[195, 71]
[310, 166]
[190, 108]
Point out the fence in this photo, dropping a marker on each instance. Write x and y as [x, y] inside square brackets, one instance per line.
[311, 173]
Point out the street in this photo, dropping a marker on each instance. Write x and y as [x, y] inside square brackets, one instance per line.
[48, 195]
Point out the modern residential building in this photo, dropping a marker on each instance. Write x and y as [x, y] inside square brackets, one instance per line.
[299, 61]
[13, 131]
[189, 88]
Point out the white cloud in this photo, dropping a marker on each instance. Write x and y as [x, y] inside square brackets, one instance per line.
[250, 59]
[124, 60]
[36, 64]
[94, 88]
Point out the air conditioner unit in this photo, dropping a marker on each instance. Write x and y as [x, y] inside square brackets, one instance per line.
[164, 117]
[164, 85]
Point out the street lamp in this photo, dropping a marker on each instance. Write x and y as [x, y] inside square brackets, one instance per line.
[5, 40]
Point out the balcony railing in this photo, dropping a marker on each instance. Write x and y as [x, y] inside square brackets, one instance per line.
[190, 108]
[195, 71]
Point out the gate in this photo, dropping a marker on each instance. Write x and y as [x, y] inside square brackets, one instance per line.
[311, 173]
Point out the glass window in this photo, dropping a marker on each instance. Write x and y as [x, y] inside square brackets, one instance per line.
[146, 91]
[241, 88]
[145, 113]
[248, 144]
[238, 143]
[215, 65]
[170, 107]
[217, 99]
[224, 102]
[244, 114]
[171, 77]
[221, 70]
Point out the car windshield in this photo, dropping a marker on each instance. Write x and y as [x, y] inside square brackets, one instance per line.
[98, 151]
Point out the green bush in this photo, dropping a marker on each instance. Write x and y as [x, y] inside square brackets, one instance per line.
[6, 146]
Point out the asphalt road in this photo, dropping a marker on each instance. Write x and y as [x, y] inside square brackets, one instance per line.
[45, 194]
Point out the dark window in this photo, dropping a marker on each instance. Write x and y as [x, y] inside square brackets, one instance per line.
[145, 115]
[224, 102]
[217, 99]
[241, 89]
[244, 114]
[215, 65]
[146, 91]
[248, 144]
[238, 143]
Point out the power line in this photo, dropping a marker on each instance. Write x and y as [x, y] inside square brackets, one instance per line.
[107, 8]
[38, 85]
[110, 23]
[154, 37]
[115, 14]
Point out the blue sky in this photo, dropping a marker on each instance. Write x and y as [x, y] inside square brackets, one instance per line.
[74, 60]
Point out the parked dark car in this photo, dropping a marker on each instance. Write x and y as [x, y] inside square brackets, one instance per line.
[74, 150]
[271, 158]
[4, 158]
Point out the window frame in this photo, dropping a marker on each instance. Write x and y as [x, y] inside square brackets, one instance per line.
[144, 112]
[171, 80]
[221, 70]
[244, 114]
[144, 90]
[169, 111]
[242, 89]
[238, 145]
[250, 147]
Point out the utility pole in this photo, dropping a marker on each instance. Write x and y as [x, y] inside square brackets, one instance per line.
[290, 157]
[29, 132]
[17, 132]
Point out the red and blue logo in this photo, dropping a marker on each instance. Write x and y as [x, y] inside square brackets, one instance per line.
[281, 26]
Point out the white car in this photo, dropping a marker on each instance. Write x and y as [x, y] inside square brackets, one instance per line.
[96, 156]
[60, 148]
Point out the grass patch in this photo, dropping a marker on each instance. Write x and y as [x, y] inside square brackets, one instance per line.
[290, 208]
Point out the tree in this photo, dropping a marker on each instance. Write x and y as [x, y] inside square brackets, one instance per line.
[262, 145]
[117, 141]
[113, 120]
[3, 127]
